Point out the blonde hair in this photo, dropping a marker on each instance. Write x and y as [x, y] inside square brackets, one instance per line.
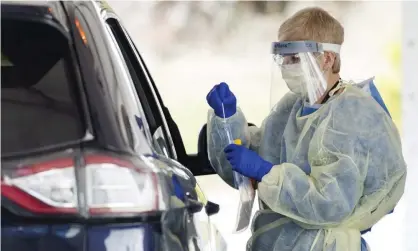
[315, 24]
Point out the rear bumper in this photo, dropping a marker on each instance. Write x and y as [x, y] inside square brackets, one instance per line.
[81, 238]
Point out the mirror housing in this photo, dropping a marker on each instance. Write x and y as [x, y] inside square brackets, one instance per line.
[211, 208]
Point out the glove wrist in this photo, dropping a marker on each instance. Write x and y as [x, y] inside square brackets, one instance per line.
[264, 169]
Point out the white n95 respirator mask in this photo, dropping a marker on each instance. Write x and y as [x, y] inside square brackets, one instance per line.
[294, 78]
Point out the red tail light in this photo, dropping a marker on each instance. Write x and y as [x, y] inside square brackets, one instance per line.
[103, 185]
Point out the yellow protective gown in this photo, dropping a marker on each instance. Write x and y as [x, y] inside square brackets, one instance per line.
[337, 171]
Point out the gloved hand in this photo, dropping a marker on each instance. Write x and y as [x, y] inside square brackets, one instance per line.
[247, 162]
[221, 94]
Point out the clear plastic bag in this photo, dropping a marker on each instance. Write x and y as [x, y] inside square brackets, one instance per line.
[245, 187]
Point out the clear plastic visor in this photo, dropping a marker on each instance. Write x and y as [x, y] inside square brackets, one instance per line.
[297, 66]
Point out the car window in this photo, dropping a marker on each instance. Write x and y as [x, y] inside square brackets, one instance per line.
[168, 129]
[135, 113]
[39, 108]
[141, 89]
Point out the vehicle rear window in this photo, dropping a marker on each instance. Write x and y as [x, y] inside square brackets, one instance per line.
[38, 104]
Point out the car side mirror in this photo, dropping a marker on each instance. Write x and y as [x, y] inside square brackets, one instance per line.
[211, 208]
[195, 206]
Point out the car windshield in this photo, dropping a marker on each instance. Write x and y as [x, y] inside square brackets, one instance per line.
[38, 103]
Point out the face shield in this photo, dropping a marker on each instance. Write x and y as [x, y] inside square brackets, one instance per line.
[297, 64]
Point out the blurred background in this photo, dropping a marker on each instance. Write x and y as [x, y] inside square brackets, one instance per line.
[189, 46]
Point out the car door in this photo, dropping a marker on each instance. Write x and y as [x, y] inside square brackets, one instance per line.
[158, 124]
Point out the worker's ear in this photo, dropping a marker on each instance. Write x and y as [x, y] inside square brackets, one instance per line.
[329, 60]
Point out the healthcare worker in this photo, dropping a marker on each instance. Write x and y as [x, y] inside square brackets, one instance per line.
[328, 158]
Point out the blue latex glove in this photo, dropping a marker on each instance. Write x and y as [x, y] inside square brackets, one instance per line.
[221, 94]
[247, 162]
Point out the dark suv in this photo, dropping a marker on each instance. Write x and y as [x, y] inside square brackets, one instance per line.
[91, 158]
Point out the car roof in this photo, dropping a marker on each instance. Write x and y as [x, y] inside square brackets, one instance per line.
[47, 9]
[52, 10]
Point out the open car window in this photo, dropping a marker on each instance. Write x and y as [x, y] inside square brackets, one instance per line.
[38, 105]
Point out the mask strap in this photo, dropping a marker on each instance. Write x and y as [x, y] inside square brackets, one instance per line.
[336, 88]
[331, 92]
[340, 85]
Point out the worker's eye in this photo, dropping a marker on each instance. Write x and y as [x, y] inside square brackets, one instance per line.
[295, 59]
[291, 59]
